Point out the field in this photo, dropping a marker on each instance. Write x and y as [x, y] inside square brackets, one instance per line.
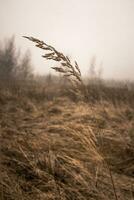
[63, 137]
[57, 146]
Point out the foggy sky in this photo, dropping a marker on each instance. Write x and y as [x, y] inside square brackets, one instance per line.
[79, 28]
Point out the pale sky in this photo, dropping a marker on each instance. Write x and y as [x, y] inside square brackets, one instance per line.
[78, 28]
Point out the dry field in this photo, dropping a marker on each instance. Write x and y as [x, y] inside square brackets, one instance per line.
[63, 139]
[60, 149]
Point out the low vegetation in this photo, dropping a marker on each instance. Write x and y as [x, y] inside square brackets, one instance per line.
[63, 138]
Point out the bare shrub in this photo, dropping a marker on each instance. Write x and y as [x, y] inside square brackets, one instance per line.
[8, 59]
[12, 66]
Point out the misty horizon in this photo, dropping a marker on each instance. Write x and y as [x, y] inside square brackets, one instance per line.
[80, 30]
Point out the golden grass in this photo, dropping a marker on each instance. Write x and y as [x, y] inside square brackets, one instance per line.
[70, 71]
[56, 149]
[53, 153]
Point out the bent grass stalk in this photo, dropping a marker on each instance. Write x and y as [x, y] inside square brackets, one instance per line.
[70, 71]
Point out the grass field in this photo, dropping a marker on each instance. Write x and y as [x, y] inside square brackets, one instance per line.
[63, 138]
[55, 146]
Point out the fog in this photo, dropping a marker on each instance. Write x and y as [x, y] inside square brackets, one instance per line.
[79, 28]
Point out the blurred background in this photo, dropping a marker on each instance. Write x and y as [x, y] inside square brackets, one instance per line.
[99, 31]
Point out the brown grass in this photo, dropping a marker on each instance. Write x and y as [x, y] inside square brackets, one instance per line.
[50, 152]
[56, 148]
[70, 71]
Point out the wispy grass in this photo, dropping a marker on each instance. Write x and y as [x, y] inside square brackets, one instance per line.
[70, 71]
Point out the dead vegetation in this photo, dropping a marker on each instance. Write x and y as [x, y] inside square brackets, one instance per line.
[50, 152]
[57, 146]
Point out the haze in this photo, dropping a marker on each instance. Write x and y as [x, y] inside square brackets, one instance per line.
[79, 28]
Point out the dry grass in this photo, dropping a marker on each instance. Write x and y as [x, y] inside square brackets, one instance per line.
[53, 148]
[50, 152]
[70, 71]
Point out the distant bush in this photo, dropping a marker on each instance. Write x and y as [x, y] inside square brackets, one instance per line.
[12, 66]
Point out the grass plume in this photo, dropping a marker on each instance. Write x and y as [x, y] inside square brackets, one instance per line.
[70, 71]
